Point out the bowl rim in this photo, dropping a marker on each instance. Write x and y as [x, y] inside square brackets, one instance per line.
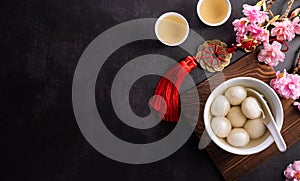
[213, 24]
[245, 151]
[168, 14]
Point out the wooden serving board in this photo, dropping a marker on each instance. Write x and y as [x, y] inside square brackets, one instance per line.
[230, 165]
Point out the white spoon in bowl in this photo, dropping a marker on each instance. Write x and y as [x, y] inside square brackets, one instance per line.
[268, 120]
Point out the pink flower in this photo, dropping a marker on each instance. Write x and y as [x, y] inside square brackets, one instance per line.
[297, 104]
[258, 33]
[283, 30]
[271, 54]
[296, 25]
[286, 85]
[292, 172]
[240, 28]
[240, 25]
[254, 14]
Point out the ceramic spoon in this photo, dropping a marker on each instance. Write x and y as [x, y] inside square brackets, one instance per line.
[268, 120]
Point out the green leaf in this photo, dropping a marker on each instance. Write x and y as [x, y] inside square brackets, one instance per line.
[272, 21]
[260, 3]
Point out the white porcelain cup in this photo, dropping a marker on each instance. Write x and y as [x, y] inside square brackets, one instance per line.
[179, 20]
[205, 21]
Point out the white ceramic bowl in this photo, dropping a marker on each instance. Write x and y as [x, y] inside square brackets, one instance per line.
[254, 146]
[213, 24]
[171, 14]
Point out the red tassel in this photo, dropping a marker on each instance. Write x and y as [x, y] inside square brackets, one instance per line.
[166, 95]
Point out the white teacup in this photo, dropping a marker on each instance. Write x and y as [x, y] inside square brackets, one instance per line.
[214, 12]
[171, 29]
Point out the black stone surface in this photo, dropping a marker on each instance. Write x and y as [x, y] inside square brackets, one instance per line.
[40, 45]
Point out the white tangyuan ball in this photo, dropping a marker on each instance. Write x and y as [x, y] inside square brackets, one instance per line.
[236, 95]
[238, 137]
[221, 126]
[251, 108]
[255, 128]
[236, 117]
[220, 106]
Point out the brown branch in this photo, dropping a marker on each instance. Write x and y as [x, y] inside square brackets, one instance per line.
[271, 14]
[269, 4]
[285, 15]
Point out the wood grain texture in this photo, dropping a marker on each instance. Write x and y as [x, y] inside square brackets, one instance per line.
[230, 165]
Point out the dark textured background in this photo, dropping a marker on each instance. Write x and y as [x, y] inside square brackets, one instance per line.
[40, 45]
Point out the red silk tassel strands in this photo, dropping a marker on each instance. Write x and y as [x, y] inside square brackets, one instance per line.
[166, 96]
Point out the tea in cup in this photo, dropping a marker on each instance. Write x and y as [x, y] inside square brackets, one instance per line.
[171, 29]
[214, 12]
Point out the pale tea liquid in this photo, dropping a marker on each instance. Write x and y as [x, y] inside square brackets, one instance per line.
[213, 11]
[172, 29]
